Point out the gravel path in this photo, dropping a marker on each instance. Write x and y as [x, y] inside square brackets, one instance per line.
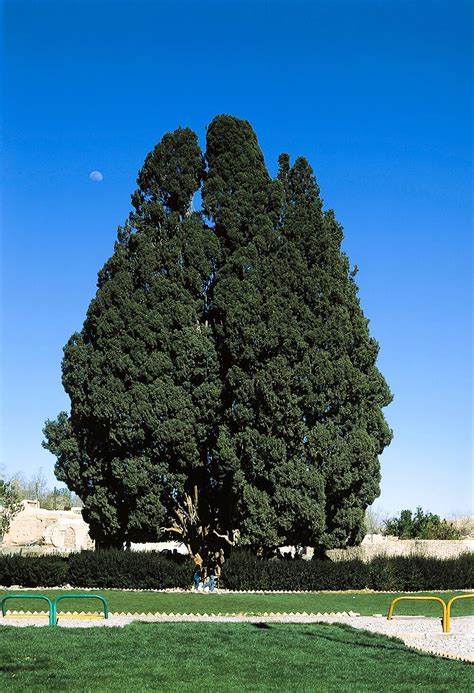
[417, 632]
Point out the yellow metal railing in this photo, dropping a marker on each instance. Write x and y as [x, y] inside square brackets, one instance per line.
[447, 622]
[432, 599]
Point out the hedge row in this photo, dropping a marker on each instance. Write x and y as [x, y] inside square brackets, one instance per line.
[242, 571]
[113, 568]
[31, 571]
[397, 573]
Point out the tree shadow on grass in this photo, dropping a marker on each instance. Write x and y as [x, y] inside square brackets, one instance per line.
[368, 639]
[262, 626]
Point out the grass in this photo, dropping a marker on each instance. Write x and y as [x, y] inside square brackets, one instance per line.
[220, 657]
[366, 603]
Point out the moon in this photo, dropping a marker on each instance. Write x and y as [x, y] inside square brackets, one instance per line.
[96, 176]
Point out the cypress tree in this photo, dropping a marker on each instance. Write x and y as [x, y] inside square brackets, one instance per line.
[268, 490]
[142, 374]
[224, 382]
[340, 390]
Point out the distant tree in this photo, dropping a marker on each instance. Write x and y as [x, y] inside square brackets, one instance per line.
[59, 499]
[421, 525]
[33, 488]
[374, 521]
[36, 488]
[9, 505]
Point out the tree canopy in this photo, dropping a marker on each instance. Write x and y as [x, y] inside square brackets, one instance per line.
[224, 384]
[9, 505]
[421, 525]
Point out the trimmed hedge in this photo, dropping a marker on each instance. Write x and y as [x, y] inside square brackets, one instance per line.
[112, 568]
[127, 570]
[242, 571]
[417, 573]
[33, 571]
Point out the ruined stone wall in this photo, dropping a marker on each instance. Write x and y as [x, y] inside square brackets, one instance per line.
[379, 545]
[65, 530]
[59, 530]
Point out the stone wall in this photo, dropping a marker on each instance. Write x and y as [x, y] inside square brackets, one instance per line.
[57, 530]
[65, 531]
[379, 545]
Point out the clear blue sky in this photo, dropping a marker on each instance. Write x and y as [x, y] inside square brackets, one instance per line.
[377, 95]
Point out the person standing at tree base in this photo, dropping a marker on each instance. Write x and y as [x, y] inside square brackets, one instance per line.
[212, 578]
[214, 571]
[198, 572]
[197, 578]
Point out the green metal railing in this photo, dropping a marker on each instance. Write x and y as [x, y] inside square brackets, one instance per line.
[80, 596]
[51, 609]
[53, 605]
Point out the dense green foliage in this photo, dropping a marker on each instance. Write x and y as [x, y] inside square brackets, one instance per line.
[398, 573]
[339, 389]
[243, 571]
[220, 656]
[111, 568]
[36, 487]
[274, 492]
[9, 505]
[224, 383]
[128, 570]
[142, 374]
[420, 525]
[246, 572]
[33, 571]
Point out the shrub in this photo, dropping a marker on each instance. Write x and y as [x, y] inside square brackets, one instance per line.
[420, 525]
[398, 573]
[242, 571]
[9, 506]
[128, 570]
[112, 568]
[33, 571]
[420, 573]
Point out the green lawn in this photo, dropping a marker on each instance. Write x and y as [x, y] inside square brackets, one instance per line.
[219, 657]
[366, 603]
